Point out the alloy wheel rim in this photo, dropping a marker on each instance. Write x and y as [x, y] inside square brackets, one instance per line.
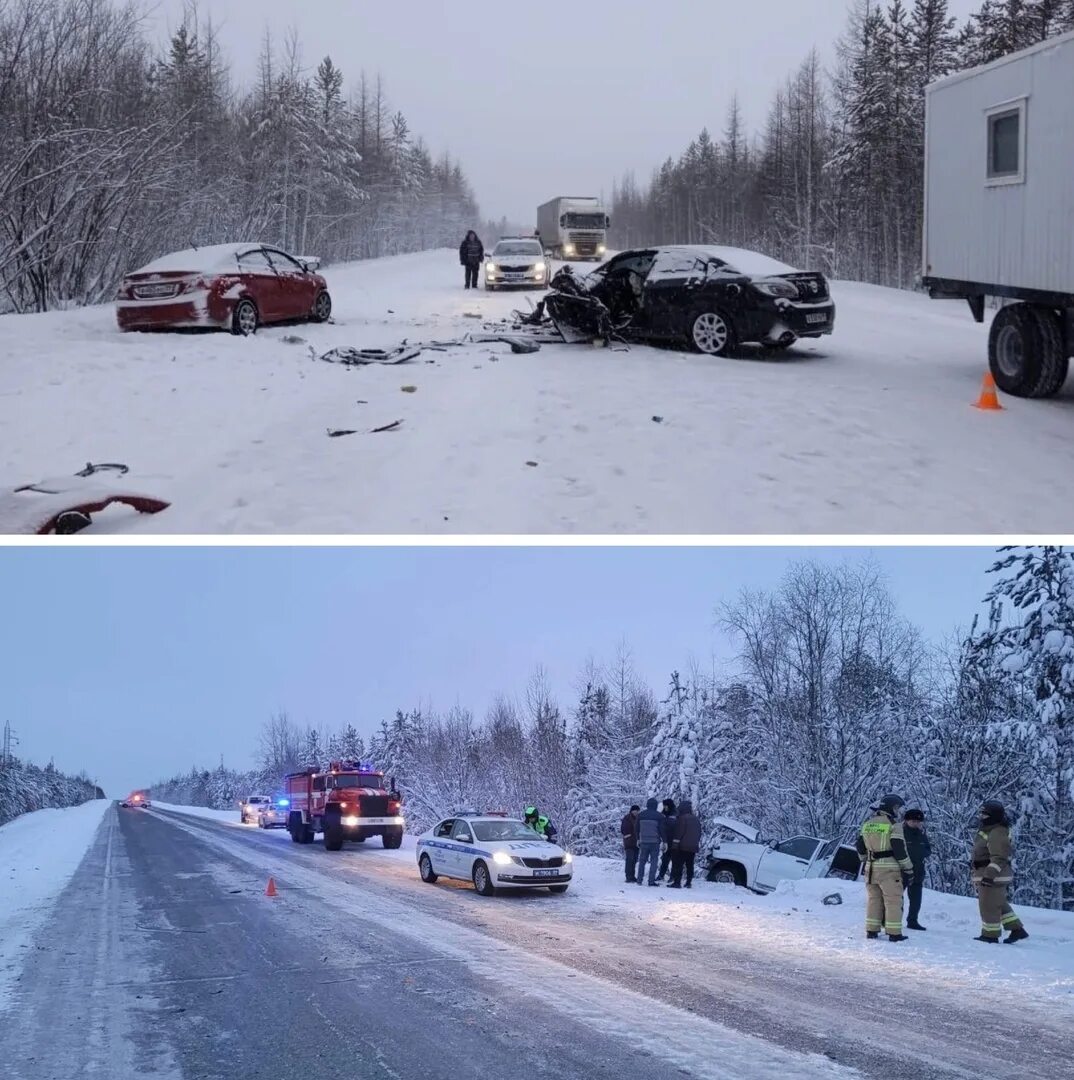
[323, 306]
[710, 333]
[247, 317]
[481, 877]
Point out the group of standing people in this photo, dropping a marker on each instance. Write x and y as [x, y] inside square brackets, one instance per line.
[664, 841]
[893, 855]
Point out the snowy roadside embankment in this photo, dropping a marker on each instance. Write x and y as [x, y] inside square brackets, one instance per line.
[39, 853]
[793, 926]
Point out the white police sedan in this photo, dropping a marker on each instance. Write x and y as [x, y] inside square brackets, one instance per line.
[494, 853]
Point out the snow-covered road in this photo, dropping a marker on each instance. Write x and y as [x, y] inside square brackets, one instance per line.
[870, 430]
[185, 968]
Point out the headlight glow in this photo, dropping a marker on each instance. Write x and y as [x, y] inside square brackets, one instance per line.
[600, 249]
[568, 857]
[539, 269]
[350, 821]
[568, 249]
[501, 858]
[490, 268]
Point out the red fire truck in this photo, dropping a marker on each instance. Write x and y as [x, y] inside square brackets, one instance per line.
[348, 801]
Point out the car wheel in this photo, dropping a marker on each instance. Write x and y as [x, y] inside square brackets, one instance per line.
[425, 868]
[244, 319]
[483, 879]
[322, 307]
[711, 333]
[728, 873]
[557, 888]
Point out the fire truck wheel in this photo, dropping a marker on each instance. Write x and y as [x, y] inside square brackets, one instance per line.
[309, 836]
[483, 879]
[393, 838]
[425, 868]
[333, 834]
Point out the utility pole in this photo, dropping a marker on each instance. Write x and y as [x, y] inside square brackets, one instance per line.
[10, 740]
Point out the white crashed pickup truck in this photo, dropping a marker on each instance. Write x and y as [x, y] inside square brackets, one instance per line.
[760, 865]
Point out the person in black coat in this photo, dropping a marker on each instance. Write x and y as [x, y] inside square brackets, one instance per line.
[685, 844]
[668, 810]
[629, 829]
[919, 849]
[471, 252]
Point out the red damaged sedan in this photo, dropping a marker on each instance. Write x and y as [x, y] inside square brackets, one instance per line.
[236, 287]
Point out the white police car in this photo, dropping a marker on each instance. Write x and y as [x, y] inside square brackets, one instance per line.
[494, 852]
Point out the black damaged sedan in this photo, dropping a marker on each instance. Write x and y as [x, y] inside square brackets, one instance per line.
[711, 298]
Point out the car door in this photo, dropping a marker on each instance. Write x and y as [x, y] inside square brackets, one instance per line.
[462, 842]
[438, 850]
[622, 289]
[670, 288]
[295, 283]
[262, 284]
[789, 860]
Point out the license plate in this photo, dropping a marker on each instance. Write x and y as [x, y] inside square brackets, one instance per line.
[819, 317]
[545, 873]
[150, 291]
[515, 277]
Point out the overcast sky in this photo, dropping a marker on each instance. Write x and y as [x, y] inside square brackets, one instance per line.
[555, 97]
[136, 663]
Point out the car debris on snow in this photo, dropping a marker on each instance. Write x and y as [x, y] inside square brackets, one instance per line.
[335, 433]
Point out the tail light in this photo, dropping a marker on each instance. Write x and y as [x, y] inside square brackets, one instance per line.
[198, 283]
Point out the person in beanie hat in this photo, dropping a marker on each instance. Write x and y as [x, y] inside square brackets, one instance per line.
[667, 808]
[919, 849]
[629, 829]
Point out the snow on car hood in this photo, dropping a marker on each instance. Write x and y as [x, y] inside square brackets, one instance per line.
[198, 260]
[747, 832]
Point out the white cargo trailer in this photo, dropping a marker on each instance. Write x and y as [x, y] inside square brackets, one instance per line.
[573, 227]
[999, 207]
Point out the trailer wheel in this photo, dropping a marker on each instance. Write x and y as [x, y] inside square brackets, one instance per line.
[1016, 350]
[1054, 361]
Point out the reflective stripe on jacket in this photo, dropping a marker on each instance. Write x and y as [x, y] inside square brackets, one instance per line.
[992, 855]
[881, 844]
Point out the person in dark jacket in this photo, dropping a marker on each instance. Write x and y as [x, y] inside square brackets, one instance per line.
[685, 843]
[471, 252]
[919, 849]
[650, 833]
[667, 808]
[629, 829]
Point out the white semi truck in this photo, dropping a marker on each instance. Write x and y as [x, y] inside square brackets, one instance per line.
[574, 227]
[999, 207]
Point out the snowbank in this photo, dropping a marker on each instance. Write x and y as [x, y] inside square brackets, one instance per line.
[793, 926]
[39, 854]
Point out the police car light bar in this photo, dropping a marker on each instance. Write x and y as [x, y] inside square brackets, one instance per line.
[495, 813]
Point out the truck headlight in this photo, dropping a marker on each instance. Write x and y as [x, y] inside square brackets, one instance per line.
[501, 858]
[568, 249]
[600, 249]
[350, 821]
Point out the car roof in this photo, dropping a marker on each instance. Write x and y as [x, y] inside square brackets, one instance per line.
[213, 257]
[749, 262]
[482, 817]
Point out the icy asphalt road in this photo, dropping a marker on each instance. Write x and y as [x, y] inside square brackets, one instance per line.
[163, 958]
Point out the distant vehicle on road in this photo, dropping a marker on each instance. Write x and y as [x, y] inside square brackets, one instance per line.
[137, 800]
[274, 815]
[251, 806]
[710, 298]
[494, 852]
[236, 287]
[517, 262]
[999, 208]
[761, 866]
[574, 227]
[347, 801]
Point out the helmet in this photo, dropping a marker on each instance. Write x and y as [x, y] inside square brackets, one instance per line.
[531, 811]
[891, 804]
[992, 812]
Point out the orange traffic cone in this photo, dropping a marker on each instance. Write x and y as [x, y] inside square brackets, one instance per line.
[270, 889]
[988, 399]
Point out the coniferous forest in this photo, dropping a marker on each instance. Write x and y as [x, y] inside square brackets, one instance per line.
[833, 181]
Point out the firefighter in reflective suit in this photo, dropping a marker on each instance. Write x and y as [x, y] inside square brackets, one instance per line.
[888, 869]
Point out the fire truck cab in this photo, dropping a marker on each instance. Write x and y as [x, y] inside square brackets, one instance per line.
[348, 801]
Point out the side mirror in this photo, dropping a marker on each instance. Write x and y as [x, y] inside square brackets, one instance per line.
[773, 844]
